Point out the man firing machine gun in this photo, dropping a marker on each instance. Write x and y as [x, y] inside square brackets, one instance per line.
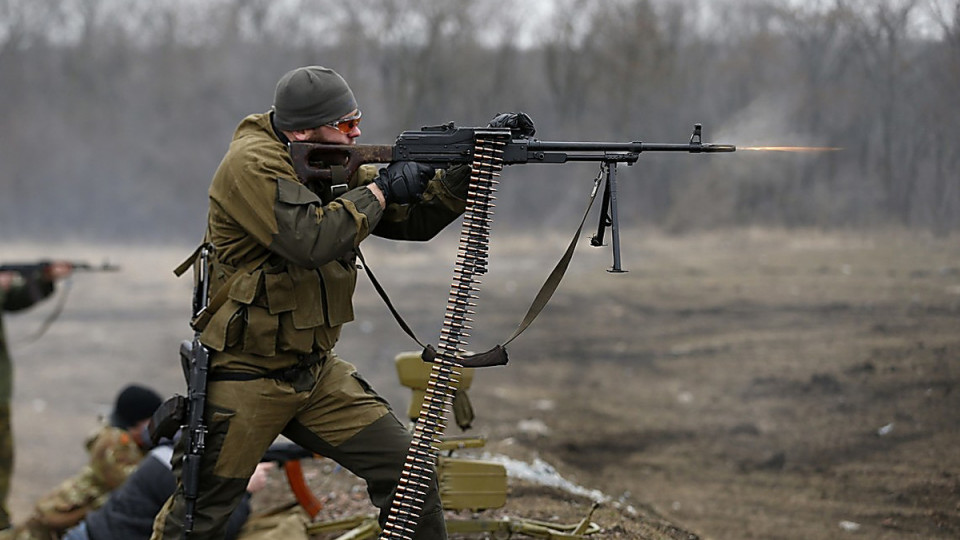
[290, 205]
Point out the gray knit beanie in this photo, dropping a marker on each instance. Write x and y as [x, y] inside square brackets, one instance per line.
[309, 97]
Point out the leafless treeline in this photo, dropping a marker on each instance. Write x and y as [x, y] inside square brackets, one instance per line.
[115, 113]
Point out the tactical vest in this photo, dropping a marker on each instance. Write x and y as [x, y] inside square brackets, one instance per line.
[264, 306]
[280, 308]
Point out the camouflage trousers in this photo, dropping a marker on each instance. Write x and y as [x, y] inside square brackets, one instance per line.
[329, 410]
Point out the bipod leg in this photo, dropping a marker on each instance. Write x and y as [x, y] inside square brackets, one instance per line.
[605, 221]
[611, 167]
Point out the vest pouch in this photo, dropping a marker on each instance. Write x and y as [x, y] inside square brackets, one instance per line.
[225, 326]
[306, 288]
[260, 334]
[339, 282]
[281, 295]
[289, 338]
[244, 288]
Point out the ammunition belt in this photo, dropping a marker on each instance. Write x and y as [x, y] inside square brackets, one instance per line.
[415, 480]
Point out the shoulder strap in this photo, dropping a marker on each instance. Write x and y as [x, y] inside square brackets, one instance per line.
[497, 356]
[386, 300]
[189, 261]
[553, 280]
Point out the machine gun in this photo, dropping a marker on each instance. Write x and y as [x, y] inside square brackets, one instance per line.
[329, 166]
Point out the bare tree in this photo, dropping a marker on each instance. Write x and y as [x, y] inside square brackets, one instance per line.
[116, 120]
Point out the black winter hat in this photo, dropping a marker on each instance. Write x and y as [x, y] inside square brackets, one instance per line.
[134, 403]
[309, 97]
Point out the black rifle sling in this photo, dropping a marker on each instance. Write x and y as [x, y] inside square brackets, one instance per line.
[497, 356]
[553, 280]
[386, 300]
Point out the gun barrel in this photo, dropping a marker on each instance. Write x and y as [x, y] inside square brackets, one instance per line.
[630, 147]
[87, 267]
[717, 148]
[78, 266]
[558, 146]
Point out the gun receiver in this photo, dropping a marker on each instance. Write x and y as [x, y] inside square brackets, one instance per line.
[322, 165]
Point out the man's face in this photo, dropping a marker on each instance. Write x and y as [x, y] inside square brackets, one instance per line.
[330, 134]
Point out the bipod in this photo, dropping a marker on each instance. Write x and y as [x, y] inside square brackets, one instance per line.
[609, 214]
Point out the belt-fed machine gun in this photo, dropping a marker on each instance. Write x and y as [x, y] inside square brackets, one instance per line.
[329, 166]
[325, 168]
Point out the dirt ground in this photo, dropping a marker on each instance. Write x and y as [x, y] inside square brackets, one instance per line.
[746, 384]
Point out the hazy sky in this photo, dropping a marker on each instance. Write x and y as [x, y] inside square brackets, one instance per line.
[529, 21]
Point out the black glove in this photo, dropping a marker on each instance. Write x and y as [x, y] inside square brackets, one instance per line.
[519, 123]
[403, 182]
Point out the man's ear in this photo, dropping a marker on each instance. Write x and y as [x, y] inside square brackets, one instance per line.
[299, 135]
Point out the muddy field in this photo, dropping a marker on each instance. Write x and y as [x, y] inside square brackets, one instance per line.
[751, 384]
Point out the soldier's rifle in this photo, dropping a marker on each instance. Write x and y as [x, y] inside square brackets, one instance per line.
[197, 366]
[29, 271]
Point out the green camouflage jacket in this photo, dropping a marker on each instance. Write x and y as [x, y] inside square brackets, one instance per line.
[296, 252]
[114, 454]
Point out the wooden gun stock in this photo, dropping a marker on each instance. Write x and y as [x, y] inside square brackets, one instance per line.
[329, 164]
